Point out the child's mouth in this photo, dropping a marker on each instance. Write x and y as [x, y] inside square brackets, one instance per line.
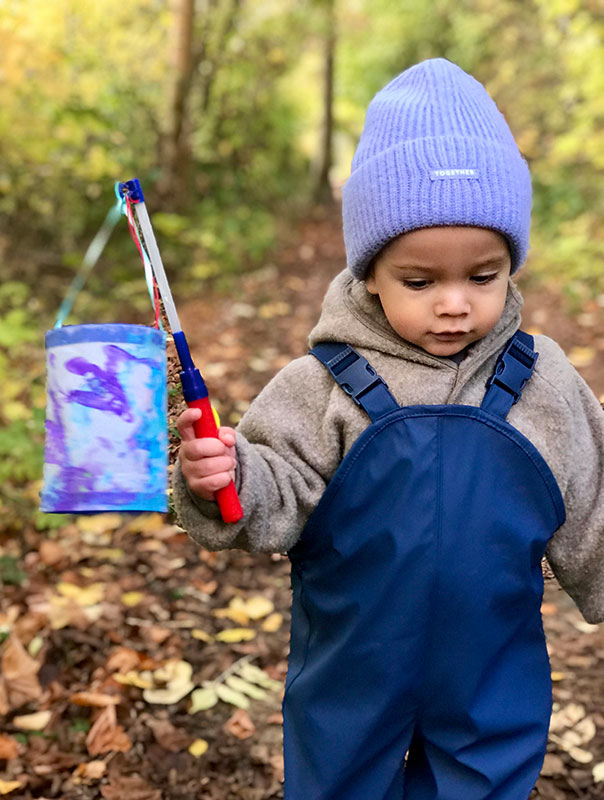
[450, 335]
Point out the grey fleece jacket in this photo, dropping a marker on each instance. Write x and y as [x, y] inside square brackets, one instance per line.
[297, 431]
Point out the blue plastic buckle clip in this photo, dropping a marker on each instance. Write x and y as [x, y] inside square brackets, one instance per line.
[356, 377]
[513, 369]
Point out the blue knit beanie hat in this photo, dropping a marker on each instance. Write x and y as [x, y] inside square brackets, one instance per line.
[435, 150]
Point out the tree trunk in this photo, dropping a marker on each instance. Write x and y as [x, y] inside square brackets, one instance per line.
[176, 158]
[322, 190]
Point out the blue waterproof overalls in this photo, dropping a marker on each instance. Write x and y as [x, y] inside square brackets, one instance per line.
[417, 585]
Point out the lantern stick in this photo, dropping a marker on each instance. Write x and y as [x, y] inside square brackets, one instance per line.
[194, 387]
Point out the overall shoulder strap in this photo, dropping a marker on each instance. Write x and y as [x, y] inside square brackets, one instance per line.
[357, 377]
[514, 367]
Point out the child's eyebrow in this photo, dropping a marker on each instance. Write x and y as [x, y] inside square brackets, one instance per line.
[489, 262]
[494, 261]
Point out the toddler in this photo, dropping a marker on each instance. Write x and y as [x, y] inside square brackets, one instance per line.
[415, 466]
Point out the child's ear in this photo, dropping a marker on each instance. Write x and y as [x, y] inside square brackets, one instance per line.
[370, 279]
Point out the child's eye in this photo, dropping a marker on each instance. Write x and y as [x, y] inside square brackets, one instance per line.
[481, 280]
[415, 283]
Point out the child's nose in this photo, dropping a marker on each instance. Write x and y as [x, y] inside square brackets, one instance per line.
[452, 302]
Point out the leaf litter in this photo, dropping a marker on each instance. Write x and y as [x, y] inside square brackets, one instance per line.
[112, 607]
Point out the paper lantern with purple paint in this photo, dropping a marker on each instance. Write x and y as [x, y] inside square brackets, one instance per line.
[106, 419]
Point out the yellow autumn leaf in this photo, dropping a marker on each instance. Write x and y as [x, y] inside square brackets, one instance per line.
[83, 595]
[198, 747]
[6, 787]
[258, 607]
[241, 611]
[33, 722]
[272, 623]
[580, 755]
[277, 309]
[558, 676]
[202, 699]
[197, 633]
[142, 680]
[99, 523]
[34, 647]
[176, 675]
[132, 599]
[174, 671]
[233, 635]
[236, 610]
[228, 695]
[110, 553]
[146, 523]
[253, 674]
[169, 695]
[241, 685]
[581, 356]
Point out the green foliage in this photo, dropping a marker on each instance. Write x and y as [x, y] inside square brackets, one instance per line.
[542, 63]
[21, 404]
[10, 571]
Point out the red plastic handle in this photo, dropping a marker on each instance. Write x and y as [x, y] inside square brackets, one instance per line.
[227, 498]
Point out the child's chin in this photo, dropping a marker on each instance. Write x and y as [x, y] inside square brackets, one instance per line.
[445, 347]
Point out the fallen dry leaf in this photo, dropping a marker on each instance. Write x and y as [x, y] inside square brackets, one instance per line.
[50, 552]
[89, 771]
[98, 523]
[167, 736]
[6, 787]
[581, 356]
[132, 787]
[33, 722]
[202, 699]
[197, 633]
[272, 623]
[258, 606]
[175, 674]
[8, 747]
[83, 595]
[567, 716]
[240, 724]
[64, 612]
[131, 599]
[123, 660]
[19, 682]
[94, 699]
[233, 635]
[106, 735]
[198, 747]
[142, 680]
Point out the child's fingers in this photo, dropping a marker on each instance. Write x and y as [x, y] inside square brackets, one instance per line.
[206, 447]
[227, 436]
[206, 487]
[210, 466]
[185, 423]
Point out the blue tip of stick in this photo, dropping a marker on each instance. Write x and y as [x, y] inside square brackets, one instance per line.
[133, 189]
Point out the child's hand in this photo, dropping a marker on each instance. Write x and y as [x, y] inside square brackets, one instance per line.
[207, 464]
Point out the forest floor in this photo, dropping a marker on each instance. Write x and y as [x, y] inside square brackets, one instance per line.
[109, 621]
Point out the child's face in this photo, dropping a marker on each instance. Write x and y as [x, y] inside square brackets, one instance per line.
[442, 288]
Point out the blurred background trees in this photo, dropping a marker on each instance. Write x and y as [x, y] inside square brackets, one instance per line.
[236, 113]
[237, 116]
